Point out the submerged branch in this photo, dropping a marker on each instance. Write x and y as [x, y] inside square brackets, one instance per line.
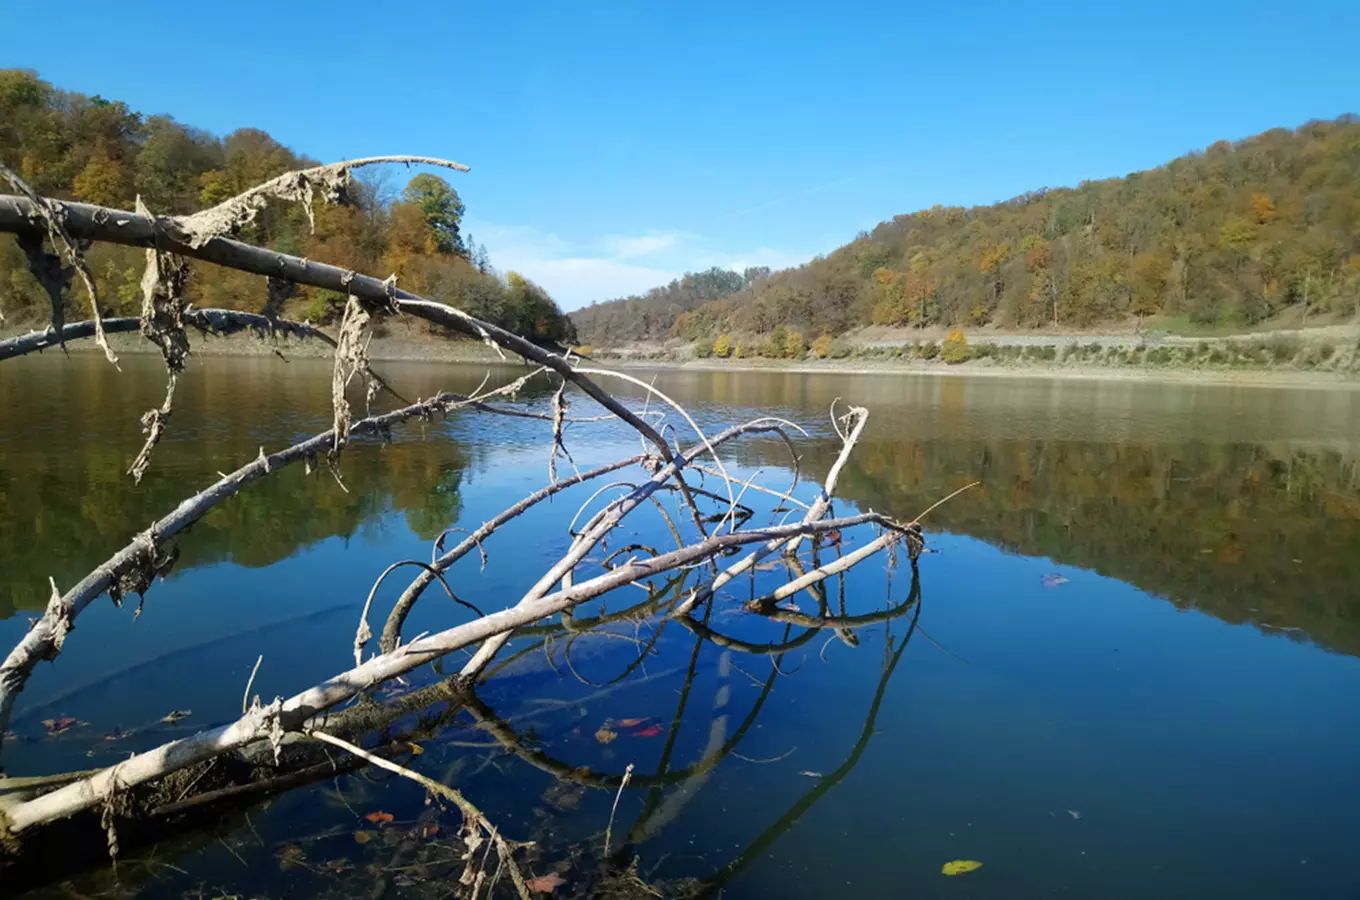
[209, 321]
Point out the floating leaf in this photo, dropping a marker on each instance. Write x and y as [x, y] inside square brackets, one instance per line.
[176, 714]
[961, 866]
[430, 830]
[604, 735]
[1053, 580]
[649, 731]
[57, 726]
[379, 817]
[415, 748]
[117, 734]
[564, 794]
[363, 837]
[545, 884]
[812, 774]
[290, 856]
[630, 723]
[1074, 814]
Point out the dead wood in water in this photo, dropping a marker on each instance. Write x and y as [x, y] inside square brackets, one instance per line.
[271, 746]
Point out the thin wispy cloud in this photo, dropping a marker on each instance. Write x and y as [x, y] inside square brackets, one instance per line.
[577, 272]
[796, 195]
[643, 245]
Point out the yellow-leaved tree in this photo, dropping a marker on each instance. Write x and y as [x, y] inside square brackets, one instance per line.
[955, 349]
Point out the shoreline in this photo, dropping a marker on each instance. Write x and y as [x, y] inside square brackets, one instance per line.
[1187, 375]
[423, 348]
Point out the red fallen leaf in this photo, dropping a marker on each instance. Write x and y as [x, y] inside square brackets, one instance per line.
[57, 726]
[649, 731]
[833, 536]
[629, 723]
[379, 817]
[545, 884]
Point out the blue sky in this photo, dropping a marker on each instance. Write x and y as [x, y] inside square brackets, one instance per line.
[616, 145]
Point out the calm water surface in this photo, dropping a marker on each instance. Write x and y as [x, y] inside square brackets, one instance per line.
[1176, 718]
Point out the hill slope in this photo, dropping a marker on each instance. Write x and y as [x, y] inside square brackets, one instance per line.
[1231, 235]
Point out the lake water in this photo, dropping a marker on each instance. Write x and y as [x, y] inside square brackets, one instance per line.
[1128, 667]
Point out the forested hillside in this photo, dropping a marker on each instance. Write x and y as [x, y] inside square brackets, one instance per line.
[70, 146]
[1231, 235]
[651, 315]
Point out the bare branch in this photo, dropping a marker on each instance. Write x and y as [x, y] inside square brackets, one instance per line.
[208, 321]
[270, 722]
[332, 181]
[857, 418]
[52, 217]
[473, 818]
[391, 635]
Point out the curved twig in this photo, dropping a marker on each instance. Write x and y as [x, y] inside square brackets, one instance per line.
[363, 633]
[391, 635]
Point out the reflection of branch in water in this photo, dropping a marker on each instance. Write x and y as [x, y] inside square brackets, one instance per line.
[753, 647]
[654, 796]
[757, 848]
[813, 624]
[640, 612]
[506, 735]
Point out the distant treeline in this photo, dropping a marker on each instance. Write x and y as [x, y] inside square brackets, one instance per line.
[652, 316]
[70, 146]
[1232, 235]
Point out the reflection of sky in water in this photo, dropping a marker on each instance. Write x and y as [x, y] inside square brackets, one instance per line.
[1204, 759]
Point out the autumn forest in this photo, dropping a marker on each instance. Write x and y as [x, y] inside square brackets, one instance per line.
[73, 147]
[1231, 236]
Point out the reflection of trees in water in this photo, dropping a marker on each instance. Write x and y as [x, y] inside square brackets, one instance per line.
[66, 500]
[74, 512]
[1239, 531]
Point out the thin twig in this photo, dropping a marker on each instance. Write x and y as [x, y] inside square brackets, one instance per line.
[470, 812]
[245, 698]
[609, 832]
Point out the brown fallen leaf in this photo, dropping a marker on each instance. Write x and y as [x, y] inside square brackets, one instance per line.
[545, 884]
[57, 726]
[379, 817]
[291, 856]
[175, 715]
[604, 735]
[363, 837]
[630, 723]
